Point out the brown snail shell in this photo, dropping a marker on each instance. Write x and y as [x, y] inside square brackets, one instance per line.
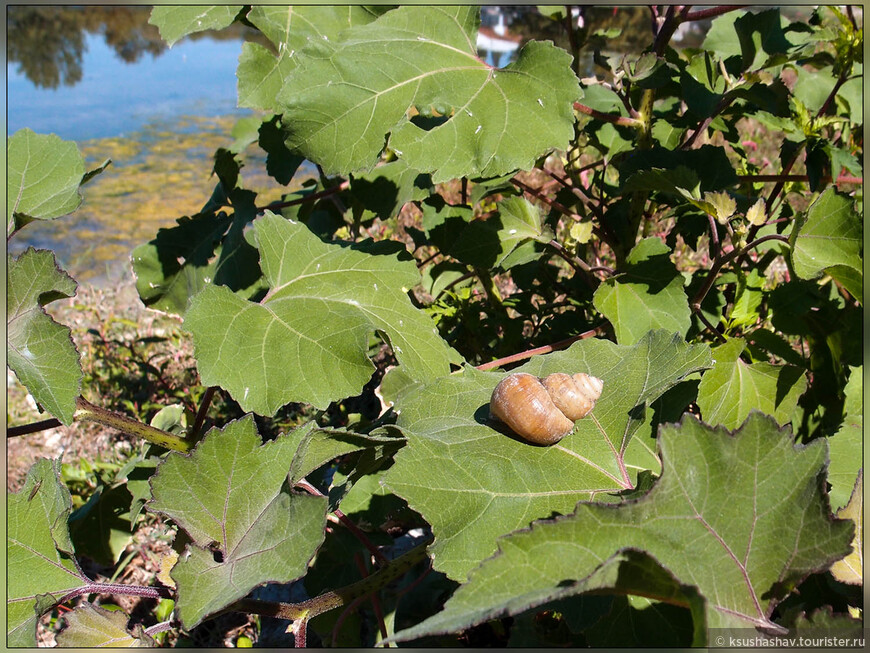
[543, 411]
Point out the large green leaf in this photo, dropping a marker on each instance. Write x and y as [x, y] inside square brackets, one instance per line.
[742, 517]
[473, 483]
[847, 444]
[732, 389]
[262, 73]
[648, 295]
[40, 567]
[39, 350]
[176, 22]
[829, 233]
[227, 495]
[346, 97]
[43, 177]
[307, 341]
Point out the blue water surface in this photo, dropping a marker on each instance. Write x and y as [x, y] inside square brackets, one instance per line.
[116, 98]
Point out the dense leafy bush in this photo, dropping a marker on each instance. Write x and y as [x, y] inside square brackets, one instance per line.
[686, 225]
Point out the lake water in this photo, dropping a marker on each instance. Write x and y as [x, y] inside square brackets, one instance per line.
[102, 77]
[115, 98]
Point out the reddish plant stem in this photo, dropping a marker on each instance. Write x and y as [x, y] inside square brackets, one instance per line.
[376, 602]
[35, 427]
[300, 634]
[308, 198]
[720, 106]
[353, 528]
[162, 627]
[842, 179]
[580, 195]
[607, 117]
[427, 260]
[539, 195]
[702, 14]
[718, 264]
[118, 588]
[203, 409]
[546, 349]
[344, 614]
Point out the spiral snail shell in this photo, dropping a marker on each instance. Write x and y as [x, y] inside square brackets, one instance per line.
[543, 411]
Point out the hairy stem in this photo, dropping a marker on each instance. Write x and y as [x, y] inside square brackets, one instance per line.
[344, 519]
[88, 412]
[118, 588]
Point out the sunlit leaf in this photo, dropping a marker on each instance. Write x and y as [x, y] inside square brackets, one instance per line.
[227, 495]
[473, 483]
[648, 295]
[39, 350]
[847, 444]
[41, 568]
[90, 626]
[308, 339]
[851, 568]
[829, 233]
[732, 389]
[740, 516]
[176, 22]
[43, 177]
[290, 28]
[348, 96]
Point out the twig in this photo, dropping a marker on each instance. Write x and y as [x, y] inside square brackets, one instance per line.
[718, 264]
[35, 427]
[332, 599]
[308, 198]
[162, 627]
[607, 117]
[352, 527]
[546, 349]
[203, 409]
[702, 14]
[842, 179]
[118, 588]
[539, 195]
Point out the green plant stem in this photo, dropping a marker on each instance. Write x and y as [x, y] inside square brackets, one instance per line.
[333, 599]
[87, 412]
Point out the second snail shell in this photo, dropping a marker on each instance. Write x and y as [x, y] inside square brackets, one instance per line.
[543, 411]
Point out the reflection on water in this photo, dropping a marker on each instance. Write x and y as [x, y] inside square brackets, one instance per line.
[103, 77]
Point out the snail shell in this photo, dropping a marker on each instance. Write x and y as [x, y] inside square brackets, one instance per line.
[543, 411]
